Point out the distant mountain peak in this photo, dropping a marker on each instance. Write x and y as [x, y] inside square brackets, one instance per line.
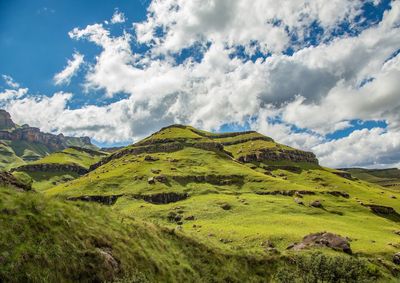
[25, 143]
[6, 122]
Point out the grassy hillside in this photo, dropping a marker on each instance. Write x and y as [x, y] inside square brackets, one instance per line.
[17, 153]
[50, 240]
[389, 178]
[235, 191]
[8, 158]
[58, 167]
[75, 155]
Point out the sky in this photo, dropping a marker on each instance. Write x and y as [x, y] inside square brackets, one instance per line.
[322, 76]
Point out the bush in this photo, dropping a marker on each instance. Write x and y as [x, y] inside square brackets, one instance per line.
[320, 268]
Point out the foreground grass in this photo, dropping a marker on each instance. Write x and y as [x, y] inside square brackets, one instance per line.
[47, 240]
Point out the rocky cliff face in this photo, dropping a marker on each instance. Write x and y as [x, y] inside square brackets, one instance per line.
[5, 120]
[10, 131]
[272, 155]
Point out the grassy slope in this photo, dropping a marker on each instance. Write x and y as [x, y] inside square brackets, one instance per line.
[78, 142]
[253, 218]
[71, 156]
[17, 153]
[8, 158]
[61, 241]
[384, 177]
[48, 240]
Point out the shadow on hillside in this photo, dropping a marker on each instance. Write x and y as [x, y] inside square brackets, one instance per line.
[395, 217]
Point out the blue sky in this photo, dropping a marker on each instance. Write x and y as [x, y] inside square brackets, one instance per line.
[34, 39]
[315, 75]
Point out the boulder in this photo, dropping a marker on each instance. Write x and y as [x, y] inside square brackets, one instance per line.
[226, 206]
[174, 217]
[298, 201]
[150, 158]
[338, 194]
[110, 264]
[396, 258]
[323, 239]
[161, 178]
[151, 181]
[316, 203]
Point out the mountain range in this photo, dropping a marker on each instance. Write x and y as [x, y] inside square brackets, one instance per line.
[21, 144]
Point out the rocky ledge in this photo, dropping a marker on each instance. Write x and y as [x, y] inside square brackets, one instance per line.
[7, 179]
[52, 167]
[163, 198]
[380, 209]
[277, 155]
[107, 200]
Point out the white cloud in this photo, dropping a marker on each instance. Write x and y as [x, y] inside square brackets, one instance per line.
[73, 65]
[44, 112]
[12, 94]
[270, 23]
[10, 81]
[118, 17]
[362, 148]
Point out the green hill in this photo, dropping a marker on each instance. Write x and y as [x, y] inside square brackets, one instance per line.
[58, 167]
[389, 178]
[236, 191]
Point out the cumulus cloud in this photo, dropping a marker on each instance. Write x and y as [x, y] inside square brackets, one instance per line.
[268, 23]
[10, 81]
[73, 65]
[11, 94]
[118, 17]
[362, 148]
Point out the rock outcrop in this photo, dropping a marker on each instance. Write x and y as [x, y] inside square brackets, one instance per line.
[286, 192]
[5, 120]
[281, 154]
[396, 258]
[107, 200]
[323, 239]
[8, 180]
[163, 198]
[380, 209]
[52, 167]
